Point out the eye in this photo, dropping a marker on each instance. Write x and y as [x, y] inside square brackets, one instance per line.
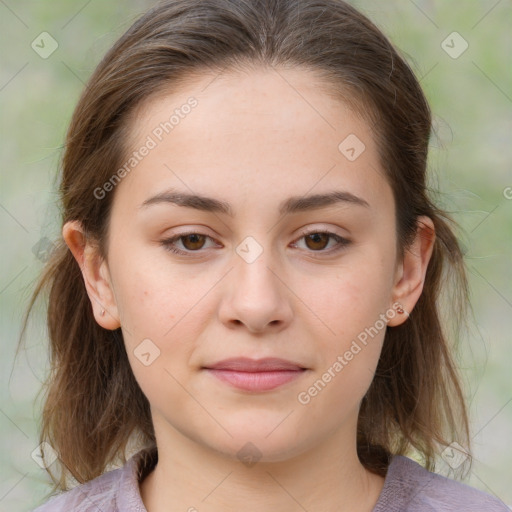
[317, 241]
[192, 242]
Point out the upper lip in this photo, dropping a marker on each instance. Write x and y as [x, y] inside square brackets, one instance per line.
[245, 364]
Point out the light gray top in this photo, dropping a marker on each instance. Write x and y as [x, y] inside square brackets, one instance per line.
[408, 487]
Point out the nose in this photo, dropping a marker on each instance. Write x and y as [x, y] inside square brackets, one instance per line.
[256, 297]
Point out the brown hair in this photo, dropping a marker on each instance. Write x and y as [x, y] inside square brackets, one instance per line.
[93, 404]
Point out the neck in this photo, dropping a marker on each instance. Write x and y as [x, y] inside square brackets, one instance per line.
[193, 477]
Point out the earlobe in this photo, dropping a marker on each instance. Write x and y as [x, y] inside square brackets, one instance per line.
[413, 269]
[95, 274]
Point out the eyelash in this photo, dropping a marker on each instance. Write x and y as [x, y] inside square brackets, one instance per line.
[168, 243]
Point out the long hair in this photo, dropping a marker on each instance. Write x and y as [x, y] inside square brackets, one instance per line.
[93, 405]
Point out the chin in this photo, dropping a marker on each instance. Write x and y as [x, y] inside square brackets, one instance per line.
[255, 444]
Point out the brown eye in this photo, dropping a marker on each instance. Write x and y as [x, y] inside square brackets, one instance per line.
[193, 241]
[190, 243]
[317, 241]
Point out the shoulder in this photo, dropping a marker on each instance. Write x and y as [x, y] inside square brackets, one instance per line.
[97, 494]
[410, 487]
[114, 491]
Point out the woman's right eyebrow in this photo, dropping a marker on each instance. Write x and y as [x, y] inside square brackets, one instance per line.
[295, 204]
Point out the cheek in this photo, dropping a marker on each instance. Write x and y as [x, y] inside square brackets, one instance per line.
[347, 365]
[160, 325]
[163, 311]
[360, 310]
[342, 385]
[347, 301]
[155, 299]
[352, 307]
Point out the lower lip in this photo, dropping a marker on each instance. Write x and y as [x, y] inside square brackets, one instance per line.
[256, 381]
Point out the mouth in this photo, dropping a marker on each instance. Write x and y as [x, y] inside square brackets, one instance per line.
[255, 374]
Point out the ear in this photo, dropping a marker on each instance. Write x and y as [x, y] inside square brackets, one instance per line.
[95, 273]
[411, 271]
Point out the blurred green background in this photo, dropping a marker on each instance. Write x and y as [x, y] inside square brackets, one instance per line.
[471, 98]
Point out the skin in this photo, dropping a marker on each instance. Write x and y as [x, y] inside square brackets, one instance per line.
[253, 141]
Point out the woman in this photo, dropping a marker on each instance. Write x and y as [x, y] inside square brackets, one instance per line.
[247, 287]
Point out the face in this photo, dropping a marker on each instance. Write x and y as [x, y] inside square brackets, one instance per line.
[273, 265]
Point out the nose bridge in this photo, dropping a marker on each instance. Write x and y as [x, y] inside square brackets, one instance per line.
[256, 296]
[252, 268]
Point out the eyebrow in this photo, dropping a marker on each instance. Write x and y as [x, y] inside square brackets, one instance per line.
[294, 204]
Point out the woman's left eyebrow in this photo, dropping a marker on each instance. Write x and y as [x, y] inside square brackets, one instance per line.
[291, 205]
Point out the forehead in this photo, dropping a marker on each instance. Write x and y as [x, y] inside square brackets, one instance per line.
[259, 133]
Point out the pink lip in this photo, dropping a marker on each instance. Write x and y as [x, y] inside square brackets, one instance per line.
[255, 375]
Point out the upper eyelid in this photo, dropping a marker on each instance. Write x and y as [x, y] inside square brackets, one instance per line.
[178, 236]
[304, 233]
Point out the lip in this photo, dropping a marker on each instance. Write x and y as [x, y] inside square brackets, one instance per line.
[246, 364]
[255, 374]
